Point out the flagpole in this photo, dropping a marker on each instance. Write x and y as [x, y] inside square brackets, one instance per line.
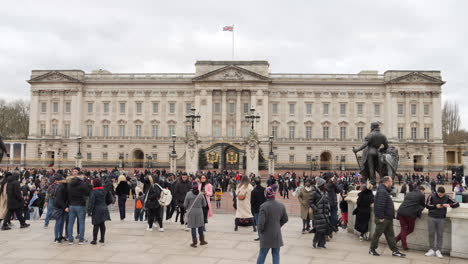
[232, 41]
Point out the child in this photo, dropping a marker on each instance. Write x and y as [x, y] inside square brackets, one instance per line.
[344, 212]
[218, 195]
[139, 207]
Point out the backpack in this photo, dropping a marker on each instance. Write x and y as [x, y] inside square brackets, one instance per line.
[53, 190]
[166, 197]
[139, 204]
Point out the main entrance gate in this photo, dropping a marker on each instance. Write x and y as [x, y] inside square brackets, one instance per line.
[224, 156]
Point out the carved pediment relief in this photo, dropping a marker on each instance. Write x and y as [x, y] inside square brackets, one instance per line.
[416, 77]
[231, 73]
[54, 76]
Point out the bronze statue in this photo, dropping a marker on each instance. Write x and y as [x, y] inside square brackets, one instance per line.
[375, 144]
[3, 149]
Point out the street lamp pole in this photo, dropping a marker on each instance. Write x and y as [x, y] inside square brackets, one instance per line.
[192, 118]
[173, 144]
[252, 117]
[78, 154]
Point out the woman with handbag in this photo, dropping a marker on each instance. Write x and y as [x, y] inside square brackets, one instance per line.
[207, 190]
[154, 210]
[195, 203]
[244, 212]
[98, 202]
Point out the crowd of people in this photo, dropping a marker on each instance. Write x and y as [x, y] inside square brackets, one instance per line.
[69, 195]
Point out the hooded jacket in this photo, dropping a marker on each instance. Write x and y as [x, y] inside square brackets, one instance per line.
[383, 205]
[78, 190]
[14, 197]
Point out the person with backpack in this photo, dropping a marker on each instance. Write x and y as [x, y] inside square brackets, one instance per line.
[98, 202]
[139, 212]
[50, 199]
[14, 201]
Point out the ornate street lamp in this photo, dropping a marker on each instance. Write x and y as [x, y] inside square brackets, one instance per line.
[192, 117]
[78, 154]
[173, 144]
[252, 117]
[271, 154]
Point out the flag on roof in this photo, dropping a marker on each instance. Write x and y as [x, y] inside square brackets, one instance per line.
[228, 28]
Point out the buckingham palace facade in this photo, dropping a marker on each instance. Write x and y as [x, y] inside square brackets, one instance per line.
[128, 119]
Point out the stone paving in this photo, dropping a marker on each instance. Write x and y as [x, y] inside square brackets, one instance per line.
[129, 242]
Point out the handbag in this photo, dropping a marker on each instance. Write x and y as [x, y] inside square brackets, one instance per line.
[190, 209]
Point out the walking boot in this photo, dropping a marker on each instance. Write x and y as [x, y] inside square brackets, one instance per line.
[202, 240]
[254, 228]
[194, 242]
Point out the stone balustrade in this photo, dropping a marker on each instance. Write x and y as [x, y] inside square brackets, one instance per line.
[455, 232]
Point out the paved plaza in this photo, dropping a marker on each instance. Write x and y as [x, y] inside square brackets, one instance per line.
[129, 242]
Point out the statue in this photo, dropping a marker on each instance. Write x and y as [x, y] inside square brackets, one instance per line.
[3, 149]
[375, 156]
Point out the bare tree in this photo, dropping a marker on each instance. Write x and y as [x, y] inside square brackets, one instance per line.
[450, 119]
[14, 119]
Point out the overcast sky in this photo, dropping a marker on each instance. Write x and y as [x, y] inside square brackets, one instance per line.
[294, 36]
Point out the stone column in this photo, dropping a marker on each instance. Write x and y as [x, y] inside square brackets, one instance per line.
[271, 165]
[459, 219]
[436, 117]
[238, 114]
[12, 154]
[34, 114]
[173, 163]
[191, 153]
[251, 153]
[223, 113]
[22, 154]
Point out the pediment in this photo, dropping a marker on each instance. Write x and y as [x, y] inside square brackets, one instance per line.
[416, 78]
[54, 76]
[231, 73]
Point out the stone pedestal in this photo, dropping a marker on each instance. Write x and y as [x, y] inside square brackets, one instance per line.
[173, 163]
[271, 165]
[78, 162]
[251, 153]
[459, 218]
[191, 153]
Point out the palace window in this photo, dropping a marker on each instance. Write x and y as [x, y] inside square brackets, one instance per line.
[139, 108]
[104, 156]
[377, 109]
[426, 133]
[325, 108]
[67, 130]
[122, 130]
[245, 131]
[232, 108]
[154, 130]
[401, 109]
[171, 108]
[360, 133]
[401, 134]
[308, 132]
[414, 134]
[413, 109]
[89, 156]
[426, 109]
[188, 108]
[155, 107]
[291, 158]
[43, 130]
[105, 107]
[360, 109]
[65, 155]
[274, 131]
[122, 108]
[105, 130]
[292, 131]
[138, 130]
[246, 107]
[292, 108]
[56, 107]
[90, 107]
[43, 107]
[274, 108]
[217, 108]
[342, 109]
[171, 130]
[231, 131]
[309, 108]
[342, 133]
[54, 130]
[67, 107]
[89, 130]
[216, 131]
[325, 132]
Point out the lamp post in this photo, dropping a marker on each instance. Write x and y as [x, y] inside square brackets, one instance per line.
[313, 164]
[173, 144]
[121, 158]
[192, 118]
[252, 117]
[271, 157]
[126, 157]
[78, 156]
[173, 156]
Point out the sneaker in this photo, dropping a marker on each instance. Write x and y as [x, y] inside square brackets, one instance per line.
[439, 254]
[161, 229]
[373, 252]
[361, 238]
[4, 228]
[149, 229]
[70, 242]
[93, 242]
[398, 254]
[46, 226]
[81, 242]
[257, 239]
[430, 253]
[187, 229]
[25, 226]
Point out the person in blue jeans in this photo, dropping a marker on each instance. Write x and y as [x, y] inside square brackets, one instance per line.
[122, 191]
[272, 217]
[78, 190]
[50, 199]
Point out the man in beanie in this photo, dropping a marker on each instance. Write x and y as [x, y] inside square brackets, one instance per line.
[272, 217]
[257, 199]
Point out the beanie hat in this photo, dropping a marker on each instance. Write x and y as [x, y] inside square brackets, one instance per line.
[320, 181]
[194, 185]
[270, 192]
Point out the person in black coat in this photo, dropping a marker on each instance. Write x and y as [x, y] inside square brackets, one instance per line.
[122, 191]
[363, 211]
[98, 202]
[320, 205]
[256, 200]
[14, 201]
[411, 208]
[154, 209]
[181, 188]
